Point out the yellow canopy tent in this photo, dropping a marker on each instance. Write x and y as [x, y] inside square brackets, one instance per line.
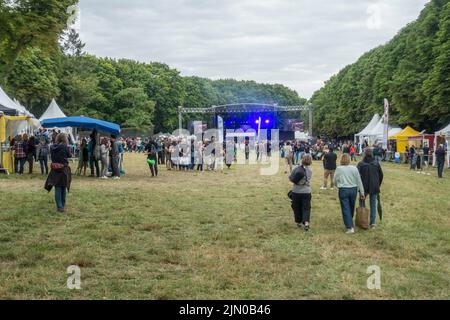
[9, 127]
[402, 138]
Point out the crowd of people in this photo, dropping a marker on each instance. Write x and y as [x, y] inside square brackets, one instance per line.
[104, 156]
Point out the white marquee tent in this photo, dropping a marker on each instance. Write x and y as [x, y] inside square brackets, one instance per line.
[8, 103]
[365, 133]
[444, 133]
[53, 112]
[376, 134]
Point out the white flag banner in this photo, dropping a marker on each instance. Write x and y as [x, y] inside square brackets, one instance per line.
[220, 128]
[386, 124]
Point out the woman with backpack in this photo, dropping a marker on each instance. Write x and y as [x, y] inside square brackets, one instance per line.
[301, 193]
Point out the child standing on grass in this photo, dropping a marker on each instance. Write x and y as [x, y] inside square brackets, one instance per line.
[301, 193]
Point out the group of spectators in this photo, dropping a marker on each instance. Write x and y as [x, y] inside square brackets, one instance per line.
[364, 179]
[29, 149]
[293, 151]
[103, 155]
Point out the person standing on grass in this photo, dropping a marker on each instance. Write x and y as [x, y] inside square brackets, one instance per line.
[329, 165]
[412, 157]
[301, 193]
[104, 149]
[353, 152]
[440, 160]
[151, 151]
[31, 153]
[60, 175]
[426, 156]
[372, 178]
[94, 151]
[349, 182]
[43, 155]
[19, 155]
[83, 158]
[114, 155]
[377, 153]
[289, 155]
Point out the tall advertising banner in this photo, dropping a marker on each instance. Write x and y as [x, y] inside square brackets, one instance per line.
[386, 124]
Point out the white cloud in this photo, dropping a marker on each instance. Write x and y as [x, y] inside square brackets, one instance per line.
[299, 43]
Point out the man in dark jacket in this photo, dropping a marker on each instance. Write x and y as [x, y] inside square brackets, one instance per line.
[329, 165]
[372, 178]
[440, 159]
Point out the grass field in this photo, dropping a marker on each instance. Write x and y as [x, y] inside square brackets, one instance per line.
[228, 235]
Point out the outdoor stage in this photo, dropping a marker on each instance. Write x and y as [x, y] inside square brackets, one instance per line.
[254, 117]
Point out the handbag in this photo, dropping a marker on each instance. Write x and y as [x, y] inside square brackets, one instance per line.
[290, 195]
[362, 216]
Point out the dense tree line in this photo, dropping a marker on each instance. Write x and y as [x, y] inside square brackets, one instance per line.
[52, 63]
[412, 71]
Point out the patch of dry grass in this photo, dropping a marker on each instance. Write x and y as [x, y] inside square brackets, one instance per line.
[190, 235]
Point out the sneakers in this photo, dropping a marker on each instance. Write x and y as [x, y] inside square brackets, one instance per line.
[332, 189]
[116, 178]
[304, 226]
[350, 231]
[323, 188]
[373, 226]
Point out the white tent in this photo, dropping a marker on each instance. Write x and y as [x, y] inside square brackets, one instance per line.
[8, 103]
[376, 134]
[367, 130]
[13, 105]
[445, 133]
[54, 111]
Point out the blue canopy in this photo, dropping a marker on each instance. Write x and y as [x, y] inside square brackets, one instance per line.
[82, 122]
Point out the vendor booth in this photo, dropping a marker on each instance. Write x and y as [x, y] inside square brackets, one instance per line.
[402, 139]
[10, 126]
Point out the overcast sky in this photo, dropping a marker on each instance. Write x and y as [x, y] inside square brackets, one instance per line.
[298, 43]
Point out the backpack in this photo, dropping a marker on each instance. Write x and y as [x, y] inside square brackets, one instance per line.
[298, 175]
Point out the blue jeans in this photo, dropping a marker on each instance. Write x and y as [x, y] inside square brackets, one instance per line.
[440, 167]
[60, 197]
[347, 197]
[373, 208]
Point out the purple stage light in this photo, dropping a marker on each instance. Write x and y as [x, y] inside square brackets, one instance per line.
[267, 121]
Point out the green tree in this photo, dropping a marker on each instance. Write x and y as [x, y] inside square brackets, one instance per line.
[30, 23]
